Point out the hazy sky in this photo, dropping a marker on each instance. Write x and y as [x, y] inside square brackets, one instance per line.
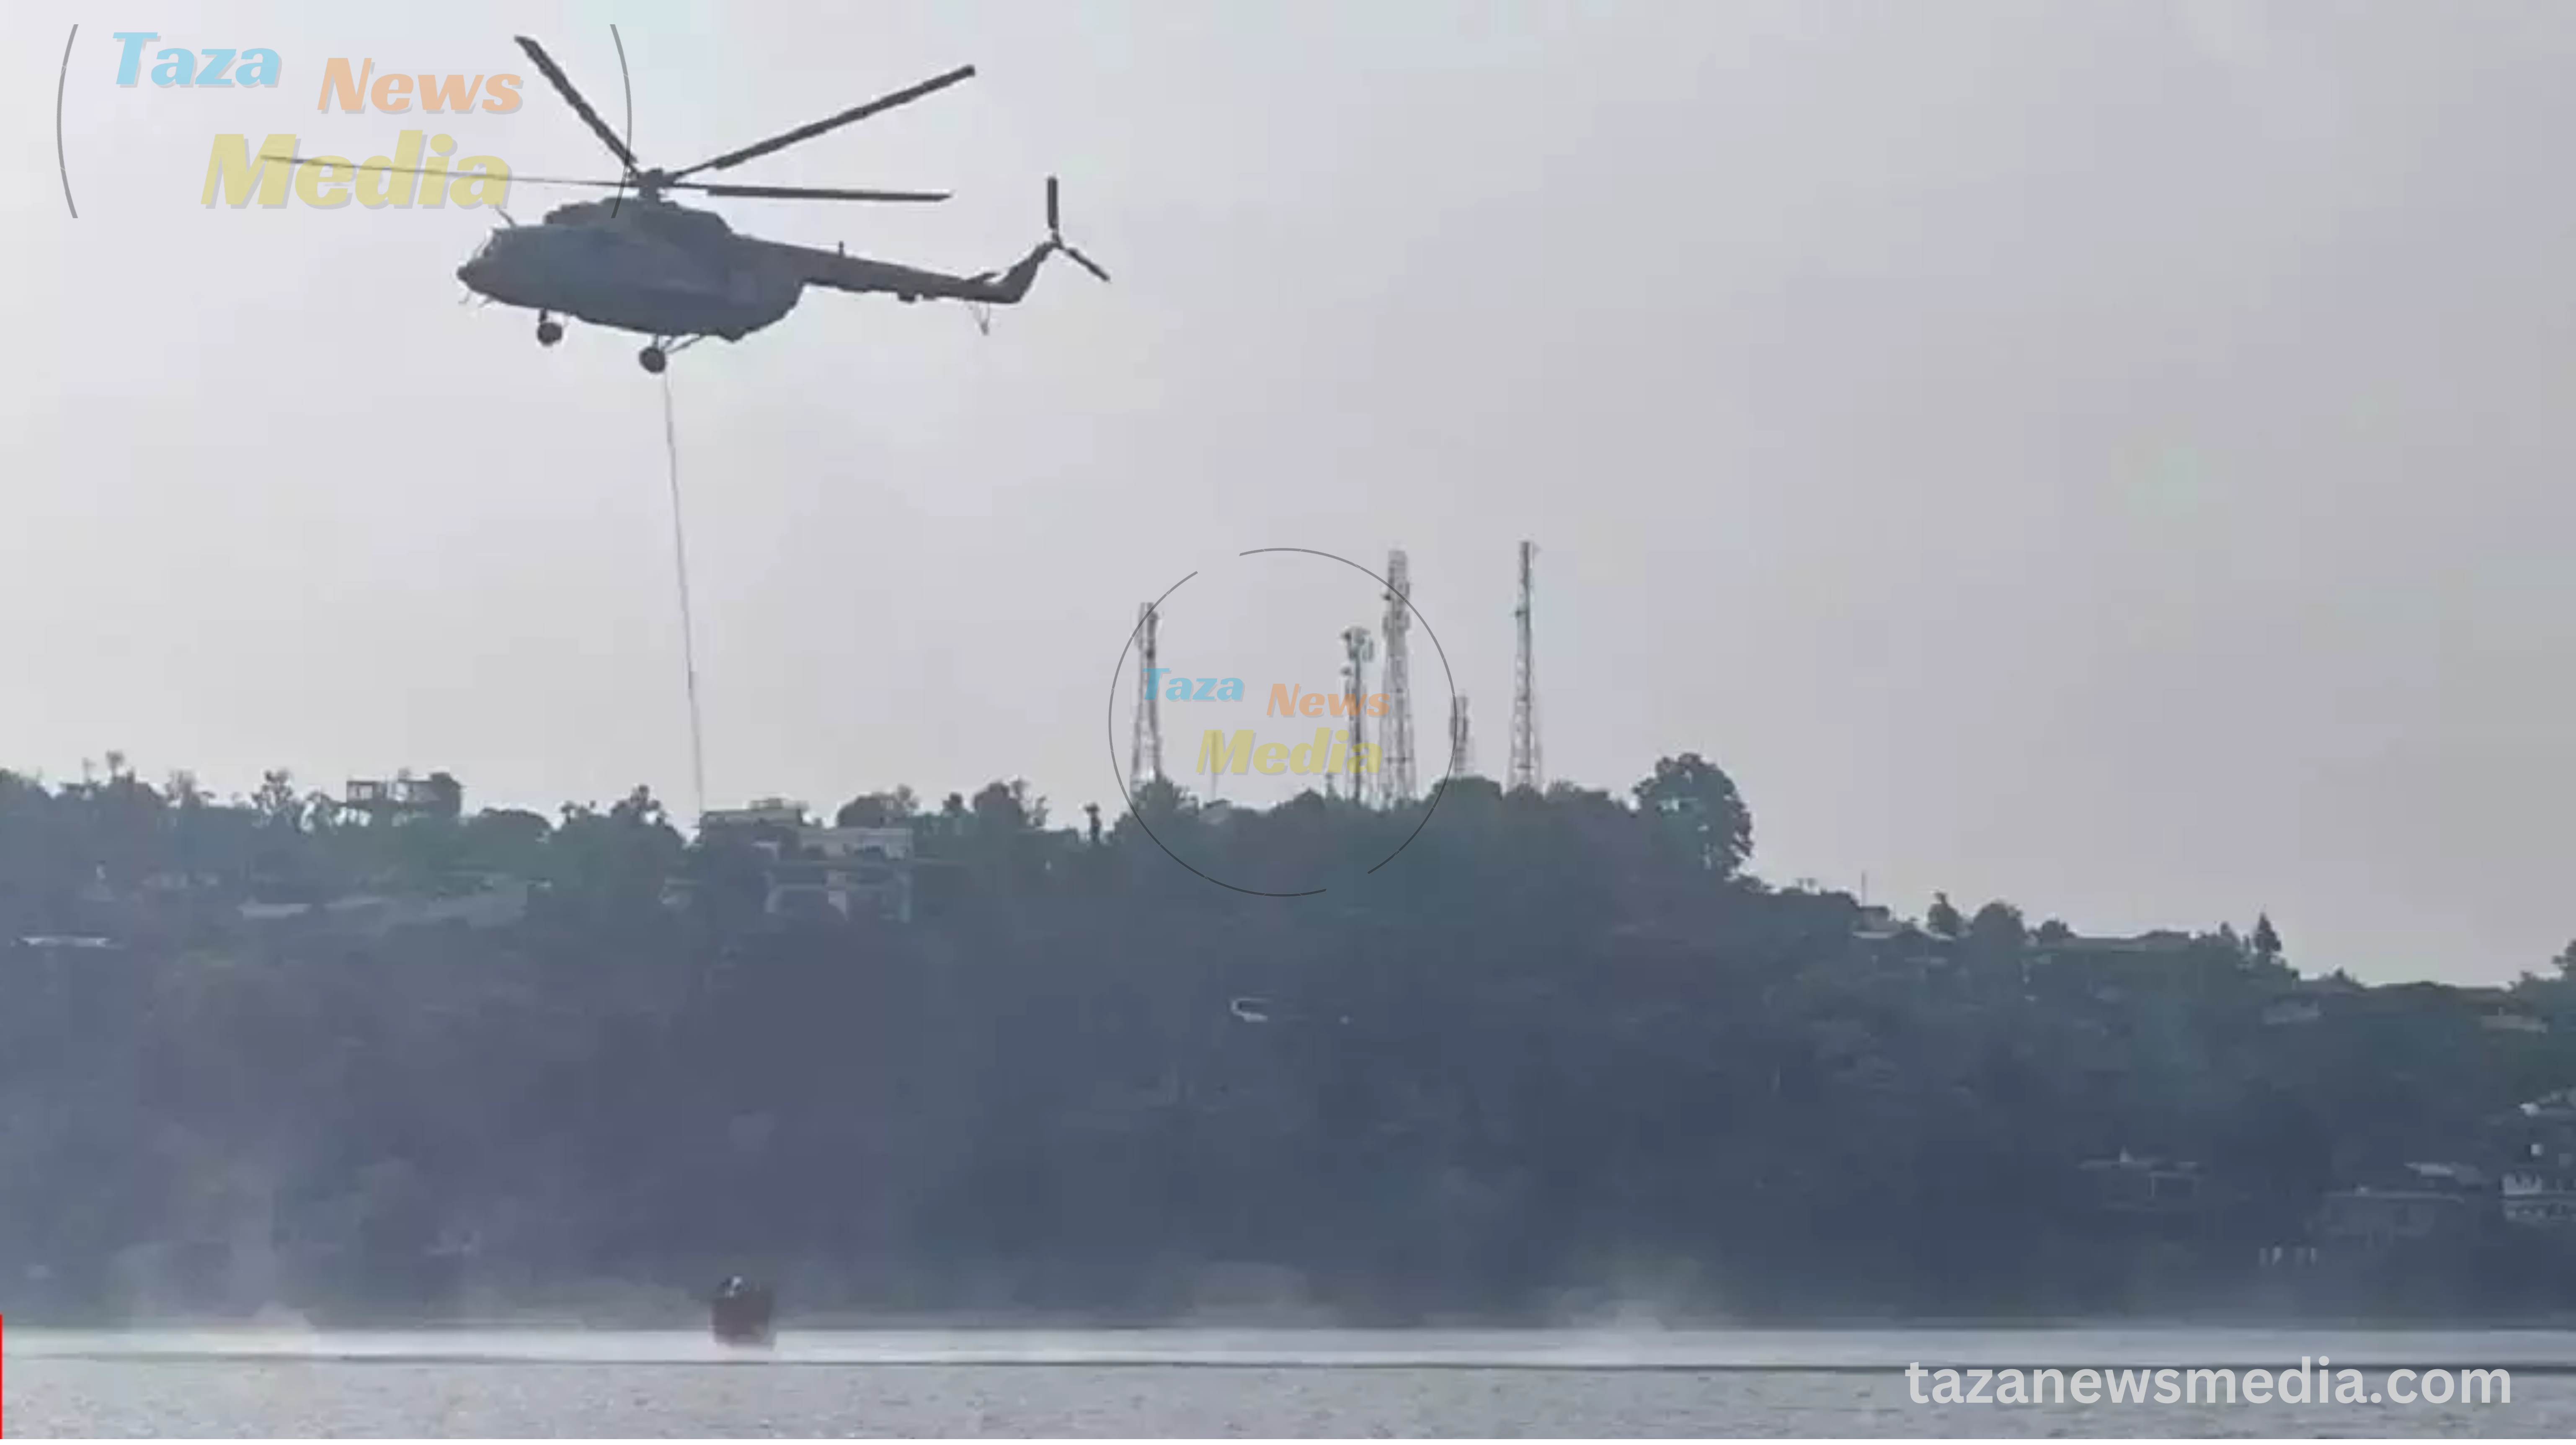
[2112, 456]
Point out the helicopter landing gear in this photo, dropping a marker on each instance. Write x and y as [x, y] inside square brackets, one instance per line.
[658, 355]
[549, 330]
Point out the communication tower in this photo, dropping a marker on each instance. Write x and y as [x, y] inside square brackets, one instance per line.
[1357, 650]
[1462, 747]
[1397, 787]
[1145, 753]
[1526, 772]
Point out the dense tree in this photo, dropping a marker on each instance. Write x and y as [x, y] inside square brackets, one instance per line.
[879, 810]
[1997, 930]
[1701, 811]
[2267, 940]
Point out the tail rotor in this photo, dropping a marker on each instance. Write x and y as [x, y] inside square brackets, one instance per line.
[1055, 234]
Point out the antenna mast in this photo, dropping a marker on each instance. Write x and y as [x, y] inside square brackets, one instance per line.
[1358, 649]
[1398, 786]
[1462, 747]
[1145, 753]
[1526, 772]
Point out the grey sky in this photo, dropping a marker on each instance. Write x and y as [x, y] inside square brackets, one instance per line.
[2109, 456]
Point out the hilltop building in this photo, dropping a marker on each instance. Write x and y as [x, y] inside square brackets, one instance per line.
[811, 867]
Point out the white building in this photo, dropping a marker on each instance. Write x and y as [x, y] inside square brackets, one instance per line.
[854, 872]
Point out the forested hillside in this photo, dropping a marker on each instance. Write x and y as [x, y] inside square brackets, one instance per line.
[1563, 1053]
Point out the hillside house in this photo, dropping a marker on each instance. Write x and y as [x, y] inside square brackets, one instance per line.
[2421, 1202]
[811, 870]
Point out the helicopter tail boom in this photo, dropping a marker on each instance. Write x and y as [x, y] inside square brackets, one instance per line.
[910, 283]
[856, 273]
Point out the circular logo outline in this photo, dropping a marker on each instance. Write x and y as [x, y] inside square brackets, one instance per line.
[1119, 675]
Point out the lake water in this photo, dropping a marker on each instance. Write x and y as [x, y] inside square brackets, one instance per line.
[525, 1383]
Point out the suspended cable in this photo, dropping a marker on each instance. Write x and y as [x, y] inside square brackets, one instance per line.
[627, 82]
[688, 622]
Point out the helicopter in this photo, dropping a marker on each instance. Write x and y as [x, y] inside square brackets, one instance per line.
[678, 275]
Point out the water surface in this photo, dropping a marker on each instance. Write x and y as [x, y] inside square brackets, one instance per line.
[1207, 1382]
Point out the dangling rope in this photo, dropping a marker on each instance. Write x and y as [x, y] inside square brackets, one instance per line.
[688, 623]
[627, 82]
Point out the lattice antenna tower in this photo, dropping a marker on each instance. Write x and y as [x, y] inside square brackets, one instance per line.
[1397, 787]
[1526, 771]
[1357, 650]
[1145, 753]
[1462, 745]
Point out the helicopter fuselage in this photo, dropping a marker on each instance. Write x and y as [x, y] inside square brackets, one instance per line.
[649, 267]
[645, 264]
[676, 274]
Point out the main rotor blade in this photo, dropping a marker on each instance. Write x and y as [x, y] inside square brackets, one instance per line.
[784, 193]
[807, 132]
[808, 193]
[563, 84]
[426, 171]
